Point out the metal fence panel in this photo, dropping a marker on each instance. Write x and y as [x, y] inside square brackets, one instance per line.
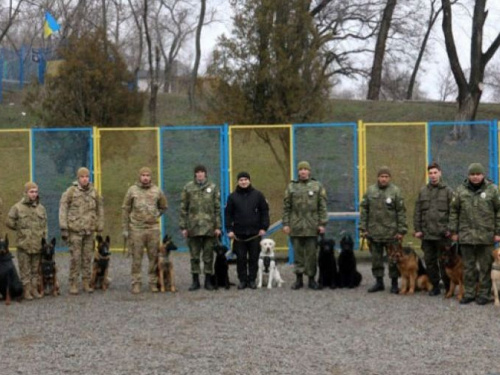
[264, 152]
[57, 155]
[402, 147]
[182, 148]
[454, 153]
[15, 172]
[331, 149]
[122, 153]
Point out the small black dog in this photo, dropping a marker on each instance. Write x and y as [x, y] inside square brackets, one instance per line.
[349, 275]
[100, 266]
[48, 269]
[328, 274]
[220, 278]
[10, 284]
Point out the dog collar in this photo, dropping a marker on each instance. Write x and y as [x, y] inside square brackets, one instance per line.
[495, 267]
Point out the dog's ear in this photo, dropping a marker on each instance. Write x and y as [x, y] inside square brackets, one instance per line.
[108, 240]
[44, 242]
[99, 239]
[165, 239]
[262, 242]
[53, 242]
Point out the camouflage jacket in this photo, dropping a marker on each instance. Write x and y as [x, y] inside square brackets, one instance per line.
[475, 214]
[304, 207]
[432, 211]
[29, 220]
[200, 209]
[383, 213]
[81, 210]
[142, 207]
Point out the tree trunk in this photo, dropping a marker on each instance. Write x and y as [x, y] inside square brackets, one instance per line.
[378, 58]
[194, 74]
[153, 70]
[430, 24]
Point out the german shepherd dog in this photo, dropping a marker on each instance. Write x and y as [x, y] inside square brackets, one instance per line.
[410, 266]
[48, 270]
[220, 278]
[349, 275]
[100, 266]
[328, 273]
[166, 266]
[495, 275]
[10, 284]
[454, 268]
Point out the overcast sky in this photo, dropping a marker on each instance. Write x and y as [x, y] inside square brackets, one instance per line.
[436, 63]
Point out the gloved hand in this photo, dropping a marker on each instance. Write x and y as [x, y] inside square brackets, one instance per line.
[64, 235]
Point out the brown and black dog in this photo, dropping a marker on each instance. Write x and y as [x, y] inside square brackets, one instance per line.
[495, 276]
[48, 270]
[166, 266]
[454, 268]
[410, 266]
[100, 266]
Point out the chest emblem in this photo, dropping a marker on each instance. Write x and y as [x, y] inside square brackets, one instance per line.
[483, 195]
[388, 201]
[311, 193]
[209, 190]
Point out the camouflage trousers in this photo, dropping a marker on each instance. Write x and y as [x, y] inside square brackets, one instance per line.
[432, 258]
[377, 249]
[29, 265]
[201, 245]
[138, 240]
[474, 256]
[81, 249]
[305, 252]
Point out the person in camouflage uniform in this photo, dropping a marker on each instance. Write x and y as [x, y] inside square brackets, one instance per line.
[142, 207]
[475, 223]
[432, 211]
[200, 223]
[81, 214]
[29, 219]
[304, 217]
[382, 220]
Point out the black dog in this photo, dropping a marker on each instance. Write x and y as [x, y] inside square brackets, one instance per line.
[100, 266]
[328, 274]
[10, 284]
[220, 278]
[349, 275]
[48, 269]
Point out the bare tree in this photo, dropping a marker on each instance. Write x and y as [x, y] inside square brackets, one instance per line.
[434, 13]
[154, 62]
[380, 47]
[471, 89]
[194, 74]
[8, 15]
[447, 87]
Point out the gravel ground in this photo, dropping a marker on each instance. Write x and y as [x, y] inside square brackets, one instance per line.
[277, 331]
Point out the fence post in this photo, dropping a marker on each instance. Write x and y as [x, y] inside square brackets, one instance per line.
[21, 68]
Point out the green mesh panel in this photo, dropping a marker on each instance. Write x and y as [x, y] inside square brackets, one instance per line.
[402, 148]
[331, 152]
[15, 156]
[265, 154]
[182, 150]
[455, 155]
[57, 156]
[123, 153]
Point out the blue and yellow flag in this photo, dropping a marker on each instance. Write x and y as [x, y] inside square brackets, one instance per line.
[50, 25]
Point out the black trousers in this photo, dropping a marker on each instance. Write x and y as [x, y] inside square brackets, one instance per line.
[247, 253]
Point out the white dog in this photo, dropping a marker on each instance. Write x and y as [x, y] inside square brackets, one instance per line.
[267, 264]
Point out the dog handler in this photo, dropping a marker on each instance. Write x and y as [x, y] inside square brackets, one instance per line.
[81, 214]
[304, 217]
[383, 220]
[432, 211]
[200, 223]
[475, 223]
[29, 219]
[247, 219]
[142, 207]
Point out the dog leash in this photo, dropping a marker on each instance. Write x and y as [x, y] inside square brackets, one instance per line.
[248, 239]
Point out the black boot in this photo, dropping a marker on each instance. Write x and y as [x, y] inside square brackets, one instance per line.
[242, 285]
[298, 283]
[196, 282]
[378, 286]
[208, 282]
[312, 284]
[394, 285]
